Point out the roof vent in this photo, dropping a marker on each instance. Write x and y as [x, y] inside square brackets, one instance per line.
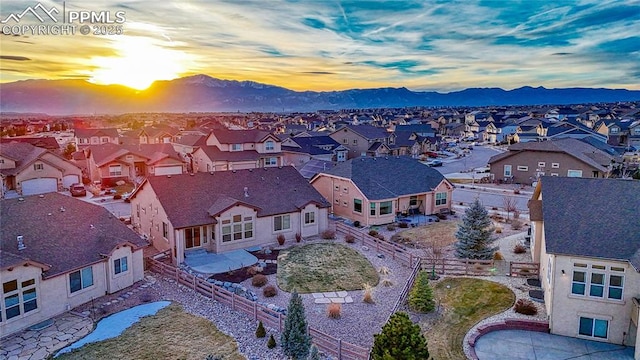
[21, 245]
[21, 199]
[211, 172]
[191, 174]
[62, 209]
[246, 191]
[233, 171]
[91, 226]
[41, 196]
[168, 176]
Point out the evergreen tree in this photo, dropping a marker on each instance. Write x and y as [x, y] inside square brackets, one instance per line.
[271, 343]
[475, 234]
[314, 354]
[421, 294]
[260, 331]
[295, 339]
[400, 339]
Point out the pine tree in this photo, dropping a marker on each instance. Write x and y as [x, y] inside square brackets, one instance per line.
[400, 339]
[260, 331]
[314, 354]
[475, 234]
[421, 294]
[271, 343]
[295, 339]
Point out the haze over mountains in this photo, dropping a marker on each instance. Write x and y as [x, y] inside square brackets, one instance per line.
[202, 93]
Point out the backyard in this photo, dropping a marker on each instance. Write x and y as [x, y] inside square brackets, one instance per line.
[170, 334]
[434, 235]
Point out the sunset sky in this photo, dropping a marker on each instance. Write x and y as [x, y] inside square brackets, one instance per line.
[336, 45]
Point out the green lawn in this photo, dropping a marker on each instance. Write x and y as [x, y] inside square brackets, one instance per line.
[465, 302]
[170, 334]
[324, 267]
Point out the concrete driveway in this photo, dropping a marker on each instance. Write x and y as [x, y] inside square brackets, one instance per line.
[531, 345]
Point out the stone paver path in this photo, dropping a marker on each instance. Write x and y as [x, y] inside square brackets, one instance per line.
[339, 297]
[39, 344]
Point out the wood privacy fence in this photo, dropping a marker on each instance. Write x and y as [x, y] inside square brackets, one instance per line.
[273, 319]
[396, 252]
[524, 269]
[470, 267]
[407, 287]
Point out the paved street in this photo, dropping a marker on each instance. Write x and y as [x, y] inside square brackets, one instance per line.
[476, 158]
[489, 199]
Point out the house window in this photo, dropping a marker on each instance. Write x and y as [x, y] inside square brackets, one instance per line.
[129, 157]
[372, 209]
[236, 147]
[549, 266]
[165, 230]
[357, 205]
[555, 165]
[342, 156]
[541, 164]
[115, 170]
[269, 145]
[614, 130]
[386, 207]
[344, 141]
[81, 279]
[192, 237]
[599, 281]
[309, 218]
[596, 289]
[38, 166]
[355, 141]
[1, 161]
[120, 265]
[441, 198]
[507, 170]
[522, 168]
[615, 287]
[271, 161]
[281, 222]
[19, 299]
[413, 200]
[555, 174]
[579, 282]
[593, 327]
[104, 140]
[574, 173]
[595, 173]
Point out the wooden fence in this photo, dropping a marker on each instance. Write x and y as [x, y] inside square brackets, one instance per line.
[273, 319]
[469, 267]
[396, 252]
[524, 269]
[407, 287]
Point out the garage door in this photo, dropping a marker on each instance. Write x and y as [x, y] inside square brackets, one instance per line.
[68, 180]
[39, 186]
[169, 170]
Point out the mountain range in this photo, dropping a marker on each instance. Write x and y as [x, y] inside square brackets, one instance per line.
[202, 93]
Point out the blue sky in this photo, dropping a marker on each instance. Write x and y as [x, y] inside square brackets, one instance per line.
[335, 45]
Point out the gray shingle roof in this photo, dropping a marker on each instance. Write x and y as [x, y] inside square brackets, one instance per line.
[225, 136]
[191, 200]
[388, 177]
[592, 217]
[64, 239]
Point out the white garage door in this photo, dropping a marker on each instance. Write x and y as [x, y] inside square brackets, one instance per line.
[69, 180]
[39, 186]
[169, 170]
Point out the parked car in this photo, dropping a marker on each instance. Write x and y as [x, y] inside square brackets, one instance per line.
[78, 189]
[434, 163]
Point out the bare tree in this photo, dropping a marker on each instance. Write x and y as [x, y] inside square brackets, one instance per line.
[509, 204]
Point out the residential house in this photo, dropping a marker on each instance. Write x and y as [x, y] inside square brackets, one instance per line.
[28, 170]
[298, 150]
[46, 142]
[157, 135]
[524, 163]
[238, 149]
[374, 191]
[586, 237]
[363, 140]
[86, 137]
[58, 252]
[110, 163]
[226, 210]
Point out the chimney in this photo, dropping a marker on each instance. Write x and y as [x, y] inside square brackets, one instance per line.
[246, 192]
[21, 245]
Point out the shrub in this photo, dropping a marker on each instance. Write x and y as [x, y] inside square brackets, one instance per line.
[356, 223]
[380, 236]
[516, 214]
[516, 224]
[260, 331]
[298, 237]
[498, 230]
[117, 197]
[367, 296]
[526, 307]
[391, 227]
[145, 297]
[400, 338]
[441, 216]
[252, 270]
[373, 232]
[334, 311]
[387, 283]
[280, 239]
[421, 294]
[350, 238]
[498, 256]
[270, 291]
[519, 249]
[403, 225]
[328, 234]
[384, 270]
[259, 280]
[314, 354]
[272, 342]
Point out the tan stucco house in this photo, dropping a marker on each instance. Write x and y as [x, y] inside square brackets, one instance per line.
[375, 190]
[86, 137]
[58, 252]
[586, 237]
[226, 210]
[30, 170]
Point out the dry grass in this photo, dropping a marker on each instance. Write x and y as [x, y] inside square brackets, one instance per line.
[324, 267]
[170, 334]
[440, 234]
[466, 301]
[334, 310]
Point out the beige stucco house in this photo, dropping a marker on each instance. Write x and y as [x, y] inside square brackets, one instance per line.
[86, 137]
[30, 170]
[375, 190]
[58, 252]
[227, 210]
[586, 237]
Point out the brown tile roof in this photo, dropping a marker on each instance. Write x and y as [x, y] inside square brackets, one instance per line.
[191, 200]
[65, 240]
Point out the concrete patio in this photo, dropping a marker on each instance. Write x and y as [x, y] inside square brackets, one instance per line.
[212, 263]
